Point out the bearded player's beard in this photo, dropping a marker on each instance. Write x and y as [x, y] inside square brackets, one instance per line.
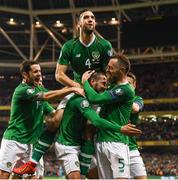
[111, 79]
[88, 31]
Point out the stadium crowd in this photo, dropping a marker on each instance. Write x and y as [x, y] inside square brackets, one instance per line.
[52, 166]
[162, 129]
[157, 81]
[161, 164]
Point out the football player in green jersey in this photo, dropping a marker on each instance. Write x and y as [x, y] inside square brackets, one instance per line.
[73, 123]
[86, 52]
[28, 108]
[112, 147]
[137, 167]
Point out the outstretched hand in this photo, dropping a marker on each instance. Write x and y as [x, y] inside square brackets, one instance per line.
[87, 75]
[130, 130]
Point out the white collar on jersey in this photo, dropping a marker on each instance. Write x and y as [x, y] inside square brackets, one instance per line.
[124, 83]
[91, 42]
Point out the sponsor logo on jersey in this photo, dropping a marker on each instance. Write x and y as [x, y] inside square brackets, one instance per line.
[119, 92]
[78, 55]
[9, 164]
[84, 104]
[30, 91]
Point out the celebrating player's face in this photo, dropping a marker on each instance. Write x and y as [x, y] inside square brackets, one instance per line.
[100, 84]
[87, 22]
[34, 74]
[112, 71]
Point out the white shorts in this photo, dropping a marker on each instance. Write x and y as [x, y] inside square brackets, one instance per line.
[14, 154]
[113, 160]
[137, 167]
[64, 101]
[69, 156]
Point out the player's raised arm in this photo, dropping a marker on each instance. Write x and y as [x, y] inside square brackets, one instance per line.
[107, 97]
[61, 76]
[63, 65]
[55, 94]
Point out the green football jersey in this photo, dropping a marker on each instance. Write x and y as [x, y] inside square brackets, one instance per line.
[117, 105]
[26, 117]
[77, 112]
[134, 120]
[83, 58]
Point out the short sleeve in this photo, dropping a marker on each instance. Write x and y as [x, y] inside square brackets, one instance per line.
[109, 49]
[64, 57]
[27, 93]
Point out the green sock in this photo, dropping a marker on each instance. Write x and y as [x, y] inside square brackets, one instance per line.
[45, 141]
[87, 151]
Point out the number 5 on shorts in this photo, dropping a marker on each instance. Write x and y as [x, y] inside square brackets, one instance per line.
[121, 165]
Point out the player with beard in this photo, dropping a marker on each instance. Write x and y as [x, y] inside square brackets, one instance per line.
[28, 107]
[112, 147]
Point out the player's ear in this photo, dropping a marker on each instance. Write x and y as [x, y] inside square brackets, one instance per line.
[79, 24]
[24, 75]
[92, 81]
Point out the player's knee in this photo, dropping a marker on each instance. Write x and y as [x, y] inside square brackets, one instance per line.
[4, 174]
[74, 175]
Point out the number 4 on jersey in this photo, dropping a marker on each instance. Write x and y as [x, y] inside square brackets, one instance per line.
[88, 63]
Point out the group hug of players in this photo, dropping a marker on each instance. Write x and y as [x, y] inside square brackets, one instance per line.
[93, 127]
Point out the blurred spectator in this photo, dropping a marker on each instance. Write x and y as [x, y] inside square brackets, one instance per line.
[157, 80]
[159, 129]
[52, 167]
[161, 164]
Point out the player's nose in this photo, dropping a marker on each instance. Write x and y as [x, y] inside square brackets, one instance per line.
[90, 19]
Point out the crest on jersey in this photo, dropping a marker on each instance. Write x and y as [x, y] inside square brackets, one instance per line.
[30, 91]
[77, 163]
[119, 91]
[9, 164]
[84, 104]
[95, 55]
